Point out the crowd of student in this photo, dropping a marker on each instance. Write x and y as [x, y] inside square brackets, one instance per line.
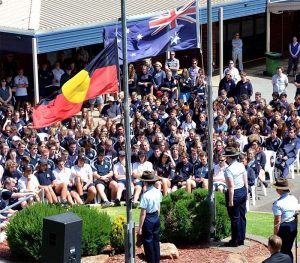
[76, 160]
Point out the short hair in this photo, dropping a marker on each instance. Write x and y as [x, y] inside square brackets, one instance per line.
[10, 180]
[275, 242]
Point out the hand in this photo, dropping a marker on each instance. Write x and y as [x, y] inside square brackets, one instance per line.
[285, 158]
[230, 204]
[140, 231]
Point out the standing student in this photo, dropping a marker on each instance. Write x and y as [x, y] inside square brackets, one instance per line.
[237, 50]
[236, 196]
[294, 52]
[285, 222]
[149, 226]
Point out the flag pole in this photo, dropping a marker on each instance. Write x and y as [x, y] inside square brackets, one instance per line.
[129, 229]
[210, 196]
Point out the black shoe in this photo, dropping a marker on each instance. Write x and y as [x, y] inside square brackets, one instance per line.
[231, 244]
[117, 202]
[241, 243]
[265, 184]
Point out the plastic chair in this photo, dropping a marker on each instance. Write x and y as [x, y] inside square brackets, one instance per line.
[268, 167]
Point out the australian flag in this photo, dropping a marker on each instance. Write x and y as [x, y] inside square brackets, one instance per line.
[172, 31]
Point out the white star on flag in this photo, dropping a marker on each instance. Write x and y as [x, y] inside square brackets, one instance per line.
[127, 30]
[133, 54]
[175, 39]
[139, 36]
[118, 40]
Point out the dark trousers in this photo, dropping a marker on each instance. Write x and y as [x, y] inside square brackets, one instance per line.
[288, 233]
[237, 214]
[150, 234]
[293, 63]
[284, 168]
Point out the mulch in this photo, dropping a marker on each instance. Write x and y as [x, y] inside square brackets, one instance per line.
[187, 254]
[203, 254]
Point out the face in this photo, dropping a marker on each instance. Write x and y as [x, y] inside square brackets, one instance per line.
[203, 160]
[292, 134]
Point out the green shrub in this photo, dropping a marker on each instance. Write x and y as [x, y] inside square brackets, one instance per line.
[117, 235]
[24, 232]
[96, 229]
[185, 217]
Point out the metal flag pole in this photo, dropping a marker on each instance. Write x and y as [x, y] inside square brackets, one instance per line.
[129, 249]
[221, 46]
[35, 71]
[210, 196]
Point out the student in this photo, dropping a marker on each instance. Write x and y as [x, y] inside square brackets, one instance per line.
[274, 246]
[149, 226]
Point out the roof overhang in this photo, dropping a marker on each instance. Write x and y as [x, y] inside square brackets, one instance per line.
[280, 6]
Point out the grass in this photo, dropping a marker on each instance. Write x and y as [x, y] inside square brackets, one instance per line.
[261, 224]
[121, 210]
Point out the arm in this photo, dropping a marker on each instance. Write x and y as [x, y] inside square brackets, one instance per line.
[230, 187]
[142, 219]
[277, 221]
[10, 96]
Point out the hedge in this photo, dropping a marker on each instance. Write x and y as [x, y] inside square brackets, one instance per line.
[184, 217]
[24, 232]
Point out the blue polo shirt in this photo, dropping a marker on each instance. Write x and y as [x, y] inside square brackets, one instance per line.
[102, 168]
[45, 178]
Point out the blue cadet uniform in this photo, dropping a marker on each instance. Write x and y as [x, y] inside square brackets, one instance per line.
[285, 207]
[150, 201]
[237, 213]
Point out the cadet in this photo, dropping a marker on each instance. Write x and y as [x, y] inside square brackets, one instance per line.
[149, 226]
[284, 209]
[236, 196]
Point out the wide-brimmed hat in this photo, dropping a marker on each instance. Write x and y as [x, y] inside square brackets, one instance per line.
[230, 152]
[149, 176]
[283, 184]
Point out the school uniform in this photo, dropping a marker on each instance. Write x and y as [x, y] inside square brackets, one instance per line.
[150, 201]
[237, 213]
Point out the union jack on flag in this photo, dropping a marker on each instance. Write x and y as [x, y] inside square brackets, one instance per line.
[172, 31]
[186, 13]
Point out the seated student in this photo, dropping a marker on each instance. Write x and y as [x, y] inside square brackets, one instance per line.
[120, 176]
[10, 194]
[183, 173]
[102, 172]
[252, 168]
[274, 246]
[200, 174]
[46, 180]
[82, 175]
[29, 183]
[137, 170]
[11, 171]
[165, 171]
[287, 152]
[63, 183]
[219, 181]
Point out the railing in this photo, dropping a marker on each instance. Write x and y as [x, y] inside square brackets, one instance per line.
[24, 199]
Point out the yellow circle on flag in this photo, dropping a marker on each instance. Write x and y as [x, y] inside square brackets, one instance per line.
[76, 88]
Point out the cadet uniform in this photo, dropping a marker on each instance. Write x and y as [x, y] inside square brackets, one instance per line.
[237, 213]
[150, 201]
[285, 207]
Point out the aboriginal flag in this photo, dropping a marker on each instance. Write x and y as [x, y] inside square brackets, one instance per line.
[100, 76]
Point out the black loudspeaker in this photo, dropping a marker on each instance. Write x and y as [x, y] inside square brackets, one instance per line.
[61, 238]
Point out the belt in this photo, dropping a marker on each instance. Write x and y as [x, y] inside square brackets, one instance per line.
[153, 213]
